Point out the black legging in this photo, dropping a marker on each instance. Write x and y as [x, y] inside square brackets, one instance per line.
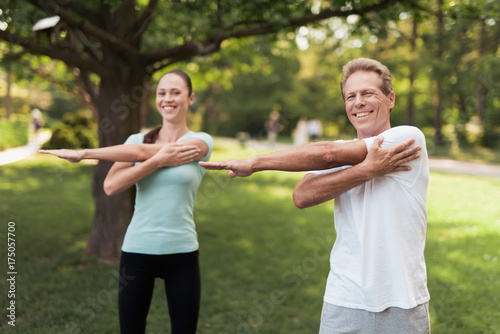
[181, 273]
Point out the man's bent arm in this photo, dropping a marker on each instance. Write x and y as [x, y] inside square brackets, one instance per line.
[315, 189]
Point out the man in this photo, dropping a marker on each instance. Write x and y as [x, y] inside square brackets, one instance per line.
[378, 280]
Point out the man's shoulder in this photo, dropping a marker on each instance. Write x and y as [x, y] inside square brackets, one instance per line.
[397, 135]
[404, 132]
[404, 129]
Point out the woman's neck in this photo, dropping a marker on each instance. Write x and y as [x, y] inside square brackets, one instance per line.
[170, 133]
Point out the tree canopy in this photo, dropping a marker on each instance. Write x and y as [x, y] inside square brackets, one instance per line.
[255, 56]
[114, 47]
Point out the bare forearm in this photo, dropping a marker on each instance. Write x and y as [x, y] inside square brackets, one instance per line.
[317, 189]
[119, 179]
[126, 153]
[315, 156]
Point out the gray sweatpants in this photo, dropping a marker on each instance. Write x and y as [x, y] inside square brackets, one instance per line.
[393, 320]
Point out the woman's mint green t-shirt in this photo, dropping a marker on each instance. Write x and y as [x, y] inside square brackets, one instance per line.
[163, 214]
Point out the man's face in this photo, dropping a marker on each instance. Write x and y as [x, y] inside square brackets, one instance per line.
[367, 107]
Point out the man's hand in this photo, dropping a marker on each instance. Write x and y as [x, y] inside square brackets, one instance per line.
[382, 161]
[172, 155]
[70, 155]
[241, 167]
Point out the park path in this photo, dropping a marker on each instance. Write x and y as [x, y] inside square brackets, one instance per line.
[439, 165]
[464, 167]
[19, 153]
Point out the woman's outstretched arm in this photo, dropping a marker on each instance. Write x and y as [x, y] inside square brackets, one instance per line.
[124, 153]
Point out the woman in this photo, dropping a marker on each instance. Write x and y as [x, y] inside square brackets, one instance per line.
[161, 239]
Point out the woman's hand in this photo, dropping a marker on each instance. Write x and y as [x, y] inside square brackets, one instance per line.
[172, 155]
[70, 155]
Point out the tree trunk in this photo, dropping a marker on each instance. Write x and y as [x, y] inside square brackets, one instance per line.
[8, 97]
[411, 95]
[112, 216]
[119, 117]
[438, 110]
[481, 89]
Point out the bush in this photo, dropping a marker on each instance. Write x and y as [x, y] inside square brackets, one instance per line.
[81, 117]
[77, 130]
[490, 138]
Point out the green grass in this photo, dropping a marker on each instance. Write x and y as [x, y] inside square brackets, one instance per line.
[463, 254]
[264, 263]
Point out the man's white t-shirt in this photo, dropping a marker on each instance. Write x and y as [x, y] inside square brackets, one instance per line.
[377, 260]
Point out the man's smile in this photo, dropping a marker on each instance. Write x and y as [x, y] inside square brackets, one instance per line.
[362, 114]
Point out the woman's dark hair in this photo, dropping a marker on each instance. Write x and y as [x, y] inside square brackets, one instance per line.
[152, 136]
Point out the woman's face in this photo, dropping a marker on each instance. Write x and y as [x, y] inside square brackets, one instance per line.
[172, 98]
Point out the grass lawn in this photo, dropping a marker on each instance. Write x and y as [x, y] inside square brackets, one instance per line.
[264, 262]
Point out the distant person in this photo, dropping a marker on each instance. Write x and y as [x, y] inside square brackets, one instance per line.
[273, 127]
[314, 129]
[37, 121]
[301, 136]
[378, 280]
[161, 240]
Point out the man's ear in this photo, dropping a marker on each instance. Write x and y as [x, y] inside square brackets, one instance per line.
[392, 99]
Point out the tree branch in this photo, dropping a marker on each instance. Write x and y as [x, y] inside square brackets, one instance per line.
[56, 53]
[88, 88]
[102, 35]
[166, 63]
[271, 27]
[145, 19]
[91, 48]
[219, 16]
[212, 44]
[182, 52]
[85, 11]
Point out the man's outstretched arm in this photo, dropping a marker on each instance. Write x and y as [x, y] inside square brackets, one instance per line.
[314, 156]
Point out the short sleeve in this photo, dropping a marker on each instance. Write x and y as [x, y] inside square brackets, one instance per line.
[397, 135]
[328, 171]
[137, 138]
[207, 139]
